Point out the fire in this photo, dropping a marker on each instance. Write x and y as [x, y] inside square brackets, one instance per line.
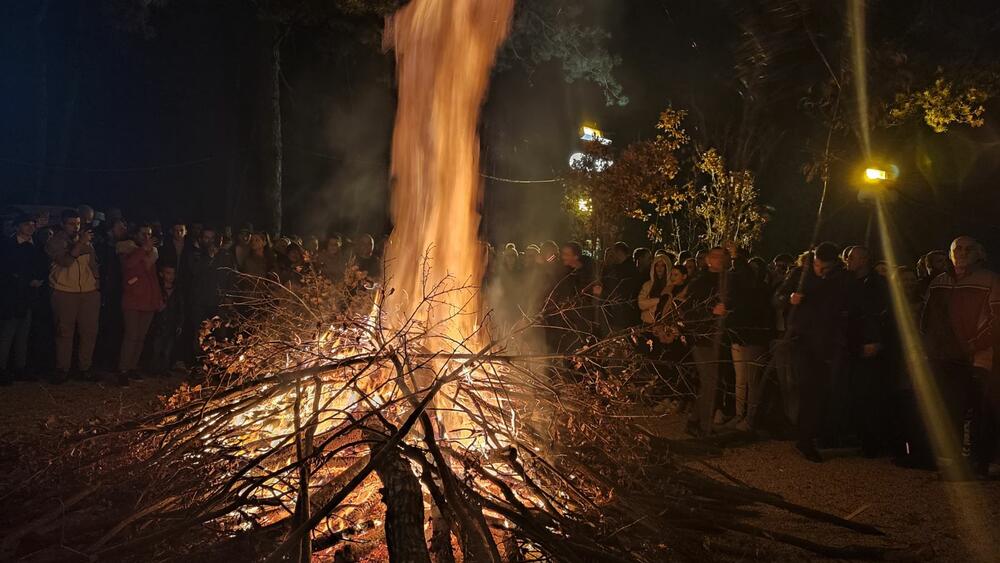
[444, 52]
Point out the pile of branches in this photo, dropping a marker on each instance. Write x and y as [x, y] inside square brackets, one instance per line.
[321, 431]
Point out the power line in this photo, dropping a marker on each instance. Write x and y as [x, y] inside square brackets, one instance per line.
[193, 162]
[512, 181]
[151, 168]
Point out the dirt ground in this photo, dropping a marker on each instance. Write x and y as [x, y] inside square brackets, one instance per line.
[941, 521]
[934, 519]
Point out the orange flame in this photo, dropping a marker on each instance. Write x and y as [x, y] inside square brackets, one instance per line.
[444, 52]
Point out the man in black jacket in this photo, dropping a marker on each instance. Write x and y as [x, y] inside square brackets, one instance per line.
[704, 309]
[817, 328]
[621, 282]
[749, 328]
[111, 321]
[868, 384]
[21, 279]
[209, 276]
[178, 249]
[569, 310]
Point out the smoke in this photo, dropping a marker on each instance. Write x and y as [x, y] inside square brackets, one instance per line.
[357, 132]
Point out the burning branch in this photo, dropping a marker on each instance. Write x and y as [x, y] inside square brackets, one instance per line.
[280, 453]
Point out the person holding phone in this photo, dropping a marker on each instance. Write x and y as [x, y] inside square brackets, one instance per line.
[141, 299]
[76, 299]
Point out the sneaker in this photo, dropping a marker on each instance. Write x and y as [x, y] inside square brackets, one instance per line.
[742, 425]
[58, 377]
[135, 375]
[809, 451]
[121, 379]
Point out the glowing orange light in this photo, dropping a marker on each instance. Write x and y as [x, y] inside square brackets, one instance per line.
[876, 174]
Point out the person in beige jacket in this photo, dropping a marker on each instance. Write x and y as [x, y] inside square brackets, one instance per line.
[656, 288]
[76, 299]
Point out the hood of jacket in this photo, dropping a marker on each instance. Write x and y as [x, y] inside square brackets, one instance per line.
[661, 259]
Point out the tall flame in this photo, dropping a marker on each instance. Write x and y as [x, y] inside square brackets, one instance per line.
[444, 52]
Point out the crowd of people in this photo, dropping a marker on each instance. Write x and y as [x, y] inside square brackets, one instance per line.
[108, 297]
[822, 345]
[817, 344]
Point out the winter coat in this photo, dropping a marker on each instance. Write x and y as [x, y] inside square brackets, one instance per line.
[571, 305]
[208, 277]
[170, 318]
[959, 318]
[704, 292]
[20, 264]
[620, 284]
[68, 273]
[749, 319]
[820, 322]
[140, 285]
[171, 257]
[111, 272]
[868, 312]
[648, 304]
[575, 285]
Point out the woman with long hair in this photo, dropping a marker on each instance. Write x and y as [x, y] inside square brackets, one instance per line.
[654, 290]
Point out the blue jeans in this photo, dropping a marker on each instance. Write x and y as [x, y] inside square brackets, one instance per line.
[14, 334]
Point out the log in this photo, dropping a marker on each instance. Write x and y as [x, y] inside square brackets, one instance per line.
[404, 510]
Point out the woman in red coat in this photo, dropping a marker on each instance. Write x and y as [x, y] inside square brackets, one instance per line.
[141, 298]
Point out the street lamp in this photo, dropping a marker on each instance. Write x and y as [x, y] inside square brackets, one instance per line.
[877, 179]
[876, 174]
[583, 204]
[879, 173]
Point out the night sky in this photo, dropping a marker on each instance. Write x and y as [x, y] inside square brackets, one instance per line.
[171, 121]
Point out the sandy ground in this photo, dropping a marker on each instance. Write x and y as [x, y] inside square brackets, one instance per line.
[948, 522]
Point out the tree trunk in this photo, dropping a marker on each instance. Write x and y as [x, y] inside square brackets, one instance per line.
[404, 511]
[41, 105]
[272, 196]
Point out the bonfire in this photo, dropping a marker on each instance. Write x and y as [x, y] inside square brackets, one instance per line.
[349, 420]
